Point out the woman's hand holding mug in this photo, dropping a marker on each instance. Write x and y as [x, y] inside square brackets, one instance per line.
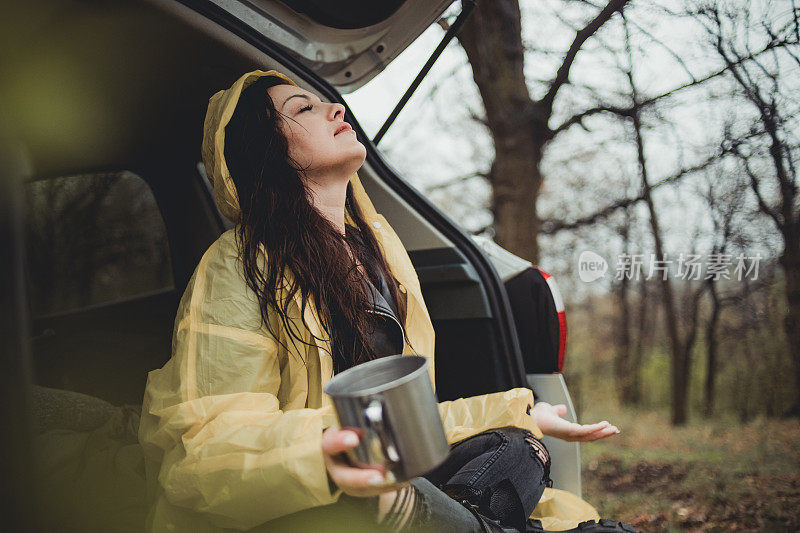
[358, 482]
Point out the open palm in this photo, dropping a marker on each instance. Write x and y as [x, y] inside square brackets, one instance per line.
[548, 418]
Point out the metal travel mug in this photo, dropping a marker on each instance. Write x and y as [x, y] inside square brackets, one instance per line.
[390, 403]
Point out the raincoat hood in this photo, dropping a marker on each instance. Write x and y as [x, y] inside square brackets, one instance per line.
[231, 425]
[221, 107]
[220, 110]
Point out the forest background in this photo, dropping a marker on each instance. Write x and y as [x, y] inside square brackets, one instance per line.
[645, 154]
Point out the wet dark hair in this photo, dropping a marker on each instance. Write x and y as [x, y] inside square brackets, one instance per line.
[277, 212]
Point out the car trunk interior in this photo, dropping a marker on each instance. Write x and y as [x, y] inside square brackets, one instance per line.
[122, 85]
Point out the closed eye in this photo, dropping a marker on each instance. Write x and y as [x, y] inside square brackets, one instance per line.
[306, 108]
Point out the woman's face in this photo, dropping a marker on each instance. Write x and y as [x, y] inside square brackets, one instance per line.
[310, 126]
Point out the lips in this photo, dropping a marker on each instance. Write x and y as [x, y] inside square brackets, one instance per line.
[344, 127]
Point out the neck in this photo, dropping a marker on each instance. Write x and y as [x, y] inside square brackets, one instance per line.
[329, 195]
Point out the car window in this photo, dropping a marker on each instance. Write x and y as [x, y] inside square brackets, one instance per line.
[93, 239]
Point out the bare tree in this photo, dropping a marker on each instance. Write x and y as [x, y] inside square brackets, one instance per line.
[724, 194]
[622, 361]
[519, 125]
[645, 331]
[680, 344]
[768, 151]
[779, 41]
[748, 65]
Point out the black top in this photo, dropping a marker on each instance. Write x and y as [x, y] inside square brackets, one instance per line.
[387, 338]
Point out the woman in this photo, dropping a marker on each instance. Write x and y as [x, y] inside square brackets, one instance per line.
[232, 425]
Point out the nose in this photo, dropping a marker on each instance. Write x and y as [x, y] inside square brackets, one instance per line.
[337, 111]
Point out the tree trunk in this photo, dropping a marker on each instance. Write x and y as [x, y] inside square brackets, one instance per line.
[711, 351]
[492, 39]
[516, 181]
[644, 331]
[679, 361]
[790, 260]
[622, 366]
[741, 399]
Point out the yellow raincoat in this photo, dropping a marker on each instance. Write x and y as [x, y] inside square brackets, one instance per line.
[231, 424]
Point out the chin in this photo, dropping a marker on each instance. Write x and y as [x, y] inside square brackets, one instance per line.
[358, 152]
[347, 161]
[357, 161]
[349, 155]
[363, 152]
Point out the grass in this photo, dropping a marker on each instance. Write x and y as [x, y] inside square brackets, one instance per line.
[705, 476]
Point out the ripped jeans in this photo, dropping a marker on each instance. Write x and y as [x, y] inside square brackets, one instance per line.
[501, 472]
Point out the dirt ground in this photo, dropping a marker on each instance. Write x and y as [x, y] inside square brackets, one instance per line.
[702, 477]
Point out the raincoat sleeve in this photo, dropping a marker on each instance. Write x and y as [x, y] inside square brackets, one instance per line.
[466, 417]
[212, 425]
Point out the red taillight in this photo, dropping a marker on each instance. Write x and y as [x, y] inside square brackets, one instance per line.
[562, 317]
[562, 336]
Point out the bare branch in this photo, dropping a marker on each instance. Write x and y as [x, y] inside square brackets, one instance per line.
[578, 118]
[455, 181]
[562, 75]
[477, 118]
[663, 45]
[756, 188]
[552, 226]
[628, 111]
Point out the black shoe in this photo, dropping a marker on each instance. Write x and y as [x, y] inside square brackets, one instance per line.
[605, 525]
